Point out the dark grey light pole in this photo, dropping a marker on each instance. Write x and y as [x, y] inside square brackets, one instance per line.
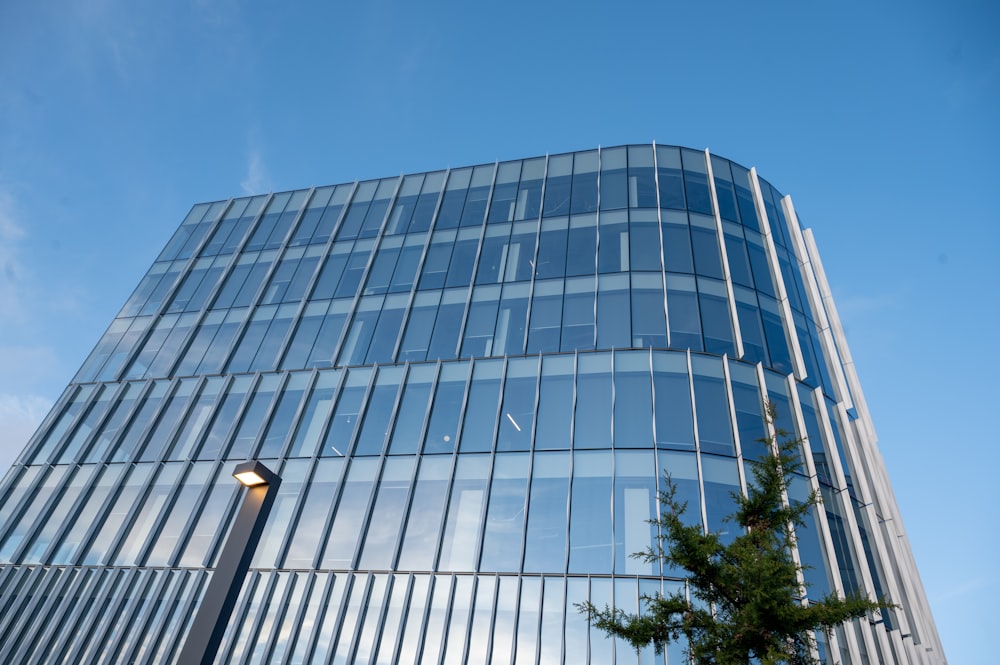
[224, 588]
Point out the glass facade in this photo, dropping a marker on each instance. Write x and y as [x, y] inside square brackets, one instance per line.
[471, 382]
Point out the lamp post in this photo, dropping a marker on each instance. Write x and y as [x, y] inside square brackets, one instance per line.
[223, 589]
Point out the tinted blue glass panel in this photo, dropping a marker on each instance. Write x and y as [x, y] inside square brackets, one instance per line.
[670, 178]
[481, 410]
[517, 417]
[558, 183]
[504, 525]
[545, 539]
[672, 402]
[442, 431]
[555, 404]
[635, 503]
[593, 401]
[614, 179]
[633, 422]
[591, 533]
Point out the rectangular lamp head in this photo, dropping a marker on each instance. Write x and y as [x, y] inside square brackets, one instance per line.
[253, 473]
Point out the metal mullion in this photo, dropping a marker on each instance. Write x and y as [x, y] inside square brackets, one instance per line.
[300, 501]
[176, 622]
[257, 623]
[88, 442]
[16, 624]
[572, 462]
[143, 614]
[56, 620]
[118, 540]
[390, 587]
[30, 495]
[309, 583]
[349, 588]
[238, 620]
[538, 241]
[145, 389]
[407, 507]
[42, 434]
[174, 589]
[469, 373]
[154, 422]
[597, 270]
[813, 482]
[449, 606]
[53, 501]
[25, 581]
[127, 617]
[104, 620]
[192, 401]
[297, 416]
[172, 290]
[412, 294]
[282, 611]
[368, 511]
[734, 424]
[444, 516]
[832, 337]
[106, 583]
[829, 440]
[814, 300]
[788, 323]
[407, 596]
[359, 626]
[29, 499]
[475, 264]
[188, 527]
[255, 303]
[94, 392]
[721, 240]
[659, 230]
[279, 390]
[697, 444]
[428, 606]
[164, 513]
[321, 609]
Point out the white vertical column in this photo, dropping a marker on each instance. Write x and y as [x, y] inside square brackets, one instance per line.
[798, 364]
[730, 296]
[817, 300]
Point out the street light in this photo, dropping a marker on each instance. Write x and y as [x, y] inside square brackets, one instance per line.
[224, 588]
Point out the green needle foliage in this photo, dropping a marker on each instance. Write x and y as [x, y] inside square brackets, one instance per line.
[746, 598]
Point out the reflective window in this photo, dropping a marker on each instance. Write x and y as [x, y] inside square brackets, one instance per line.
[481, 409]
[633, 401]
[442, 431]
[555, 404]
[614, 179]
[613, 313]
[423, 522]
[592, 428]
[379, 550]
[460, 544]
[349, 518]
[502, 535]
[715, 434]
[545, 539]
[308, 530]
[517, 417]
[635, 503]
[590, 538]
[409, 423]
[672, 402]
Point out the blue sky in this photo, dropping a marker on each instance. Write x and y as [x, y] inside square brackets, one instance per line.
[880, 119]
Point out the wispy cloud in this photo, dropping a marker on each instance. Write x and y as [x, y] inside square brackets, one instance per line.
[257, 179]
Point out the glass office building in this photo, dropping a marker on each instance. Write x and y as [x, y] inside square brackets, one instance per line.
[471, 382]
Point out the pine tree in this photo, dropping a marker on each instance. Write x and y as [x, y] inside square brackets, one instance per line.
[745, 596]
